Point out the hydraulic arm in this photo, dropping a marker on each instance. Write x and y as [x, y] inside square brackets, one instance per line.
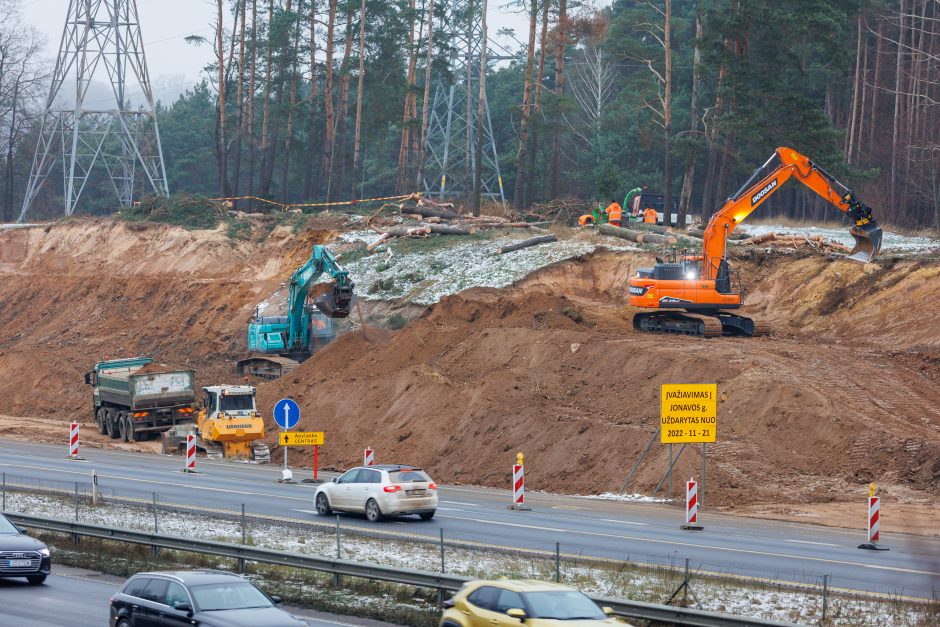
[702, 285]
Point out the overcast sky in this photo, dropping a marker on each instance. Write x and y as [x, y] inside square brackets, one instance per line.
[174, 64]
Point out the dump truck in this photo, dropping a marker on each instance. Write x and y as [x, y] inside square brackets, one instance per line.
[227, 425]
[134, 398]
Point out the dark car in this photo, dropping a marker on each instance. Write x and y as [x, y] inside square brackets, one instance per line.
[196, 597]
[22, 556]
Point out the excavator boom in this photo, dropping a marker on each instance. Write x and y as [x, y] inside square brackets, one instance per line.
[704, 286]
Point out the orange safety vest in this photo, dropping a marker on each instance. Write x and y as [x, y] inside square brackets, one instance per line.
[649, 216]
[614, 213]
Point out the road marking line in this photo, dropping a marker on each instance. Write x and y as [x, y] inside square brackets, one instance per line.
[195, 484]
[565, 507]
[461, 503]
[815, 543]
[624, 522]
[703, 546]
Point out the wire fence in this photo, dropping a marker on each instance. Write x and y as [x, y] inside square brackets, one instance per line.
[726, 586]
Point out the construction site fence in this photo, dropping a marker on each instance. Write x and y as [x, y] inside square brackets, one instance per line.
[652, 577]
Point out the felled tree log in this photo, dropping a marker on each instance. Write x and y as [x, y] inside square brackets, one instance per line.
[653, 228]
[429, 212]
[384, 237]
[761, 239]
[448, 229]
[636, 236]
[533, 241]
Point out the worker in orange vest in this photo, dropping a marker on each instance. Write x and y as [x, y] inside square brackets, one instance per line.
[614, 212]
[649, 216]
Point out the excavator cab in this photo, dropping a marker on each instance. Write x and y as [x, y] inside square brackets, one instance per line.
[337, 303]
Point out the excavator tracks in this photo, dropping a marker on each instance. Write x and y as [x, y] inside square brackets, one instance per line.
[701, 325]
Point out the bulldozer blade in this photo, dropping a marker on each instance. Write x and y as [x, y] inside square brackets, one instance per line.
[328, 305]
[867, 242]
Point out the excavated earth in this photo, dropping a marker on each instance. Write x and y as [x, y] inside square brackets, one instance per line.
[844, 392]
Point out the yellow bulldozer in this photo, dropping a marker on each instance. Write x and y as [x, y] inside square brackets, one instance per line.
[228, 425]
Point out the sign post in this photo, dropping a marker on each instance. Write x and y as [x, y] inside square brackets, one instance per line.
[689, 415]
[286, 415]
[304, 438]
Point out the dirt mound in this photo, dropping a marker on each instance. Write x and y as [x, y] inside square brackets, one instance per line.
[76, 292]
[810, 415]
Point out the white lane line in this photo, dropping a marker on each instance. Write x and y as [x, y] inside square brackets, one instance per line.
[565, 507]
[701, 546]
[460, 503]
[195, 483]
[305, 511]
[624, 522]
[814, 543]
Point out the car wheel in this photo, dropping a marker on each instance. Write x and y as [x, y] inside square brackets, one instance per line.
[373, 513]
[36, 579]
[124, 623]
[426, 515]
[323, 505]
[101, 420]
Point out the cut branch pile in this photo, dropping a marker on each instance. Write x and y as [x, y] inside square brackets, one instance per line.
[636, 236]
[775, 240]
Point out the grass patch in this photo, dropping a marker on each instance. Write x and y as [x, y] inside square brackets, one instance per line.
[190, 211]
[396, 321]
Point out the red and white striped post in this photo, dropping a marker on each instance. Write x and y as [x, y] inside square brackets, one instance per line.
[190, 453]
[368, 456]
[874, 507]
[691, 506]
[518, 484]
[73, 440]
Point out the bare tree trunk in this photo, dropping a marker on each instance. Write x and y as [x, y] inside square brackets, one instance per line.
[252, 87]
[850, 146]
[539, 76]
[864, 99]
[667, 116]
[291, 111]
[898, 86]
[326, 164]
[312, 118]
[559, 89]
[426, 101]
[340, 145]
[526, 100]
[879, 39]
[362, 73]
[240, 101]
[685, 196]
[410, 104]
[481, 112]
[222, 149]
[266, 111]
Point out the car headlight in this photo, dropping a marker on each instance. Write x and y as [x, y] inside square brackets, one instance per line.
[44, 552]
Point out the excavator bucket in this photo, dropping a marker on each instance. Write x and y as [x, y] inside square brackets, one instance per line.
[336, 304]
[867, 242]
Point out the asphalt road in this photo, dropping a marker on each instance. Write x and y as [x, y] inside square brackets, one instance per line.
[73, 597]
[646, 533]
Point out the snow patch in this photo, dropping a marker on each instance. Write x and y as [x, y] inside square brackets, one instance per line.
[625, 498]
[890, 241]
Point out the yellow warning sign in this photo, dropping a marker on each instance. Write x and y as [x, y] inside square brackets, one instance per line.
[301, 438]
[688, 413]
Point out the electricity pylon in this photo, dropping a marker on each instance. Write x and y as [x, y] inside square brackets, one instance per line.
[119, 137]
[453, 124]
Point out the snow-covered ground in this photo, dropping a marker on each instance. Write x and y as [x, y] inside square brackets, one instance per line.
[427, 276]
[599, 577]
[624, 498]
[890, 242]
[14, 225]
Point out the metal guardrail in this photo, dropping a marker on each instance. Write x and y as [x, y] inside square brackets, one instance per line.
[622, 607]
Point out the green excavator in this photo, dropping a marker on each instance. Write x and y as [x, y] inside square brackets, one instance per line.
[277, 344]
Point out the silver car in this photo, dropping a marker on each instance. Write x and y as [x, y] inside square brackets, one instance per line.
[379, 491]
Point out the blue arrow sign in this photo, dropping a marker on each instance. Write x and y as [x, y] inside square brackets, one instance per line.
[286, 413]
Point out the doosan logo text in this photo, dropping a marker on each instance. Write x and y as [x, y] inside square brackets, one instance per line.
[756, 198]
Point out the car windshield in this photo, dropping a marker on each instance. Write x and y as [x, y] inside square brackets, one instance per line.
[237, 402]
[6, 526]
[407, 476]
[228, 596]
[562, 605]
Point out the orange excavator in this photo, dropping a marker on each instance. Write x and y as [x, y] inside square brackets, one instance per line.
[691, 296]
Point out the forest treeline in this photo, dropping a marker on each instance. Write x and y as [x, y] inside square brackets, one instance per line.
[315, 100]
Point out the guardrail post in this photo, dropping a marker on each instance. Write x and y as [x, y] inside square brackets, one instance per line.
[156, 527]
[75, 535]
[558, 562]
[825, 597]
[440, 591]
[241, 560]
[338, 552]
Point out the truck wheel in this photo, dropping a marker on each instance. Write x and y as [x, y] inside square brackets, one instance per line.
[100, 419]
[111, 421]
[122, 426]
[129, 430]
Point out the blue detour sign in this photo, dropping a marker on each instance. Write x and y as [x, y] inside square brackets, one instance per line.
[286, 413]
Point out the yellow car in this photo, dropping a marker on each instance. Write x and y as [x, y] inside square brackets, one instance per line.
[511, 602]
